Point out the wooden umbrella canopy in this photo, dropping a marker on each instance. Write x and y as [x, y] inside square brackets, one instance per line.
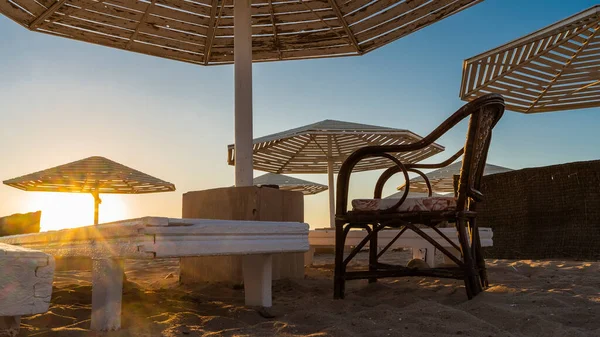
[202, 31]
[240, 31]
[322, 148]
[288, 183]
[442, 180]
[555, 68]
[93, 175]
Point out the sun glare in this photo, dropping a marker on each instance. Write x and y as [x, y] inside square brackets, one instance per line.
[67, 210]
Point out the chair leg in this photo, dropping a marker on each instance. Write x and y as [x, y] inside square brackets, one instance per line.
[373, 253]
[338, 278]
[480, 261]
[471, 283]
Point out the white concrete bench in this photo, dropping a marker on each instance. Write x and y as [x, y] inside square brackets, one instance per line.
[153, 237]
[25, 285]
[421, 248]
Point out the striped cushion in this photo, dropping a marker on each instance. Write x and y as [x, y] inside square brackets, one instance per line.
[427, 204]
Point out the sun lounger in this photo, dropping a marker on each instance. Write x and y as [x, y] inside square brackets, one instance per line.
[25, 285]
[421, 248]
[152, 237]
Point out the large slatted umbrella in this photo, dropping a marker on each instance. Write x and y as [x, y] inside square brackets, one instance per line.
[210, 32]
[442, 180]
[93, 175]
[322, 148]
[288, 183]
[555, 68]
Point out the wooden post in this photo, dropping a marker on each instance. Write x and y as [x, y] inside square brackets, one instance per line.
[241, 203]
[97, 202]
[242, 46]
[107, 292]
[257, 271]
[331, 183]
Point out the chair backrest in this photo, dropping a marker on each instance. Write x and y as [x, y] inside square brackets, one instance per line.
[479, 136]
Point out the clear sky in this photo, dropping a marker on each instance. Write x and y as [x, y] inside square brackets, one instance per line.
[62, 100]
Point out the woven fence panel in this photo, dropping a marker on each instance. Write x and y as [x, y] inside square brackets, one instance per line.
[544, 212]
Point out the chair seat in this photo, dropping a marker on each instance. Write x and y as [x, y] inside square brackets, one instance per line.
[426, 204]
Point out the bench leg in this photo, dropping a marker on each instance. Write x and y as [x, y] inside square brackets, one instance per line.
[107, 292]
[257, 271]
[9, 326]
[309, 256]
[426, 253]
[430, 257]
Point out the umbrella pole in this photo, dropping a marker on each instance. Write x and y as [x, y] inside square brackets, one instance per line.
[97, 202]
[242, 46]
[331, 194]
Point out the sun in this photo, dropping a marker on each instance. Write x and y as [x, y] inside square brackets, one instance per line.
[68, 210]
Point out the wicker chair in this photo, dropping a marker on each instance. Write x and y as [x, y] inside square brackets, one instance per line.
[377, 214]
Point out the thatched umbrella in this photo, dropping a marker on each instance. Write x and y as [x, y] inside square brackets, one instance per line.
[93, 175]
[442, 180]
[555, 68]
[211, 32]
[322, 148]
[288, 183]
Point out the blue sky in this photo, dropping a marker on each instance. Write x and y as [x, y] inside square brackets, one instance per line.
[63, 100]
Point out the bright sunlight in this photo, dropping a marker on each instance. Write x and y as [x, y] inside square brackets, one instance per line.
[66, 210]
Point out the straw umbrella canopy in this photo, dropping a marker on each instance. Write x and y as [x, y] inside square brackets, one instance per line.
[442, 180]
[211, 32]
[93, 175]
[555, 68]
[288, 183]
[322, 148]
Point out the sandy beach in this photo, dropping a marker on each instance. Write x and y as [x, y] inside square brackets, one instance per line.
[526, 298]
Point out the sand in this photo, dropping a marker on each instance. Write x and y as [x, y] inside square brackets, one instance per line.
[526, 298]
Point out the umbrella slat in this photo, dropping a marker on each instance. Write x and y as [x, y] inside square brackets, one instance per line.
[190, 48]
[169, 31]
[76, 7]
[287, 28]
[400, 15]
[396, 6]
[390, 32]
[16, 13]
[109, 18]
[32, 7]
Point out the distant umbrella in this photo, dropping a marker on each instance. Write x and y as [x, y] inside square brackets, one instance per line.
[93, 175]
[442, 180]
[322, 147]
[289, 183]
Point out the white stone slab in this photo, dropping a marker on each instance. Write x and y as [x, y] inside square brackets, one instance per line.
[26, 281]
[164, 237]
[155, 237]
